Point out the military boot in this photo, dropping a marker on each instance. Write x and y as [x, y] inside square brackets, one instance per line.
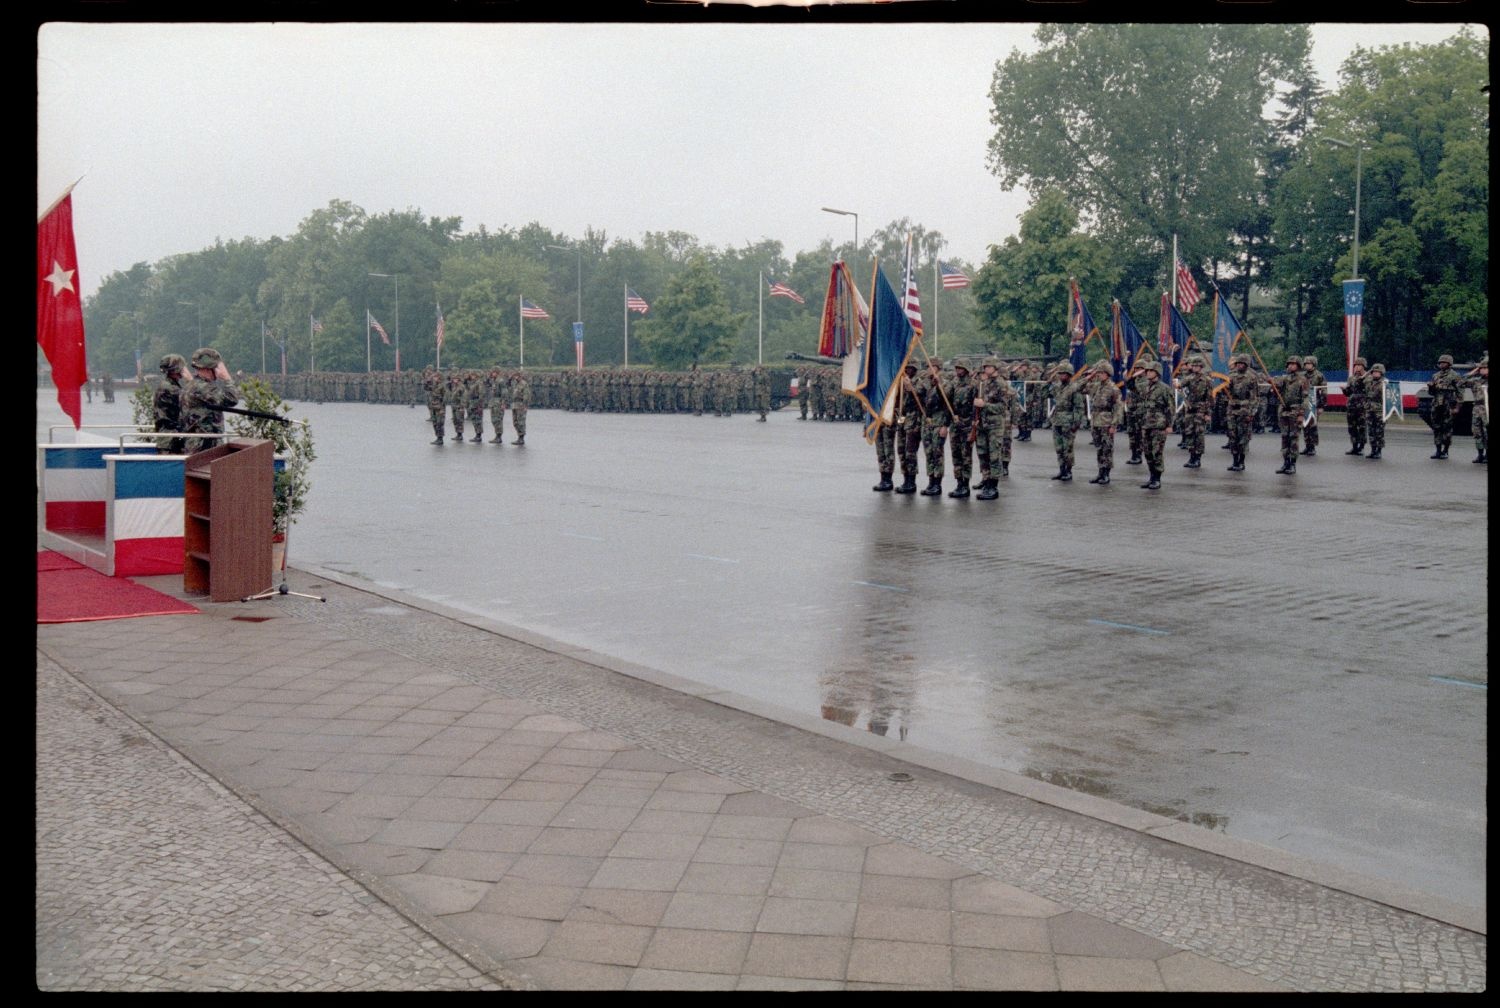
[908, 484]
[1438, 453]
[1309, 451]
[1104, 476]
[1481, 457]
[1192, 462]
[987, 490]
[1004, 468]
[934, 486]
[1238, 465]
[1374, 454]
[477, 439]
[884, 484]
[438, 439]
[1358, 449]
[961, 491]
[1135, 458]
[1099, 477]
[1288, 467]
[498, 439]
[520, 441]
[1154, 483]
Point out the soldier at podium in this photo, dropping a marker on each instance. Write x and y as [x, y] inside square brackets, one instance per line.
[204, 396]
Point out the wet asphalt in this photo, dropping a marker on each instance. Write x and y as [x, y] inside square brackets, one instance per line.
[1298, 661]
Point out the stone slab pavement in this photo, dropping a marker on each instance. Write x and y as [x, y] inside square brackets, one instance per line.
[370, 793]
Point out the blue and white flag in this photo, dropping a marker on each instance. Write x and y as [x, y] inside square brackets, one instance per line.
[882, 356]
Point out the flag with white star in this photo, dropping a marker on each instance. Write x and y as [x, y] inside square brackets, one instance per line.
[59, 309]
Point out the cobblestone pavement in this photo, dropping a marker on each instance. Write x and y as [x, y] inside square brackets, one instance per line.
[593, 830]
[150, 876]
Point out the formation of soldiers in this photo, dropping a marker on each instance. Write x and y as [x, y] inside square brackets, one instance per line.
[820, 395]
[467, 394]
[978, 418]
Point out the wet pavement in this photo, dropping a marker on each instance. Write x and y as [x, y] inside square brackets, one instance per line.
[1297, 661]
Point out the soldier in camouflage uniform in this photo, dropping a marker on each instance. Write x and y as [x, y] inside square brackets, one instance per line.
[520, 401]
[1197, 408]
[1317, 386]
[1013, 411]
[885, 456]
[1479, 383]
[1108, 410]
[1446, 389]
[432, 387]
[1022, 415]
[1067, 416]
[935, 418]
[908, 429]
[166, 403]
[1293, 390]
[1243, 392]
[498, 388]
[992, 421]
[1355, 403]
[1375, 408]
[1130, 389]
[962, 391]
[203, 397]
[477, 397]
[761, 384]
[1156, 421]
[453, 398]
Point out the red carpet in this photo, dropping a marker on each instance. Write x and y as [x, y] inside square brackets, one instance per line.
[68, 592]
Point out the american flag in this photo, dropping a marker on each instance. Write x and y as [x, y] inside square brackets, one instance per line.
[317, 326]
[634, 302]
[378, 328]
[1187, 290]
[530, 310]
[440, 327]
[779, 289]
[952, 277]
[909, 298]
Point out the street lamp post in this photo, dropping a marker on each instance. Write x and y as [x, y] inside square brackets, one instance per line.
[1359, 151]
[397, 278]
[848, 213]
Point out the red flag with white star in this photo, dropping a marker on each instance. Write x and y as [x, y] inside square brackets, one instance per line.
[59, 309]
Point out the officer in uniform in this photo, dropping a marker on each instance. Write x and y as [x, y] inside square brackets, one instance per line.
[1157, 407]
[1355, 407]
[1107, 410]
[935, 418]
[1375, 408]
[1293, 389]
[992, 421]
[432, 387]
[1197, 409]
[908, 429]
[1067, 416]
[204, 396]
[1317, 385]
[453, 397]
[166, 403]
[1130, 388]
[1479, 382]
[1446, 389]
[1243, 391]
[962, 392]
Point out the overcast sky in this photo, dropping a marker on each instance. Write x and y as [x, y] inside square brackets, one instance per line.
[183, 134]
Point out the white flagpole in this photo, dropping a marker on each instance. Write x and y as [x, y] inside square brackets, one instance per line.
[1172, 269]
[760, 325]
[367, 339]
[312, 345]
[625, 296]
[521, 319]
[935, 289]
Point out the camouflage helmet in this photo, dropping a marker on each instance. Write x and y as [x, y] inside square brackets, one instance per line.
[910, 365]
[1377, 366]
[206, 357]
[1105, 368]
[993, 362]
[1360, 362]
[1293, 359]
[1310, 361]
[172, 362]
[1065, 367]
[1446, 358]
[1149, 364]
[1239, 358]
[959, 364]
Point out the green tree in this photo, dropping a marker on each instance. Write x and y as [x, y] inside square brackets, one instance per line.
[692, 321]
[1022, 291]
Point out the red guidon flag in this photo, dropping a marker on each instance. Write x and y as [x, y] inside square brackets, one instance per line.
[59, 310]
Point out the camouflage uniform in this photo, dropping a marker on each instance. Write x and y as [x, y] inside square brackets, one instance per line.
[520, 401]
[761, 383]
[1243, 393]
[1317, 385]
[1356, 410]
[885, 455]
[1013, 412]
[202, 399]
[1108, 410]
[802, 393]
[1197, 409]
[1067, 417]
[1156, 421]
[108, 384]
[1131, 388]
[498, 387]
[453, 397]
[477, 395]
[1022, 415]
[1479, 425]
[992, 423]
[432, 386]
[961, 395]
[1446, 389]
[166, 403]
[1293, 390]
[934, 425]
[1374, 384]
[908, 431]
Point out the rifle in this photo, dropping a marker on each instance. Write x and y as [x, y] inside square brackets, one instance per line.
[257, 414]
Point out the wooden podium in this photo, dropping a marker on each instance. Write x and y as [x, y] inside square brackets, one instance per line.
[227, 518]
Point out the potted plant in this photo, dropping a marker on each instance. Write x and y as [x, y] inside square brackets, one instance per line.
[293, 441]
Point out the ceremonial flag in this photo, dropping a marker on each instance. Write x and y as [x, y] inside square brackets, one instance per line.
[1227, 334]
[1187, 289]
[846, 320]
[634, 302]
[1178, 338]
[1354, 315]
[1125, 342]
[59, 311]
[779, 289]
[1080, 327]
[578, 343]
[1391, 399]
[910, 302]
[378, 328]
[882, 356]
[533, 311]
[316, 325]
[441, 326]
[952, 277]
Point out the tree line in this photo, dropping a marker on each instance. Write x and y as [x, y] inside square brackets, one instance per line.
[1125, 135]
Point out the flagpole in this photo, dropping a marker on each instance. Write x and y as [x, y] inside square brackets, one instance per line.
[1172, 269]
[312, 346]
[625, 297]
[521, 321]
[760, 325]
[367, 339]
[65, 194]
[935, 289]
[263, 346]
